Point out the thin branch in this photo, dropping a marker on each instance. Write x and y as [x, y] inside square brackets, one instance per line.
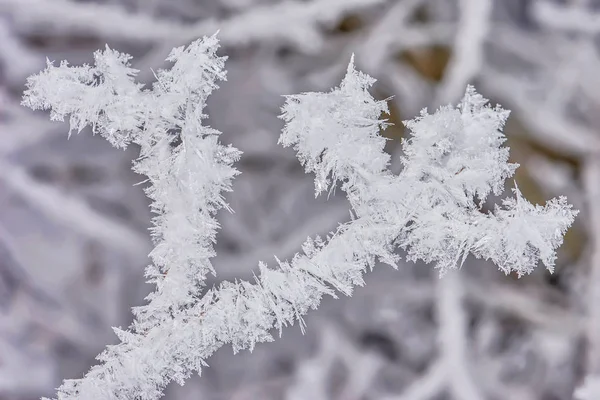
[566, 135]
[467, 57]
[107, 21]
[526, 306]
[430, 384]
[73, 212]
[290, 22]
[453, 337]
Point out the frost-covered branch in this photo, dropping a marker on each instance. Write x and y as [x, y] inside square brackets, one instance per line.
[105, 20]
[183, 160]
[16, 59]
[570, 136]
[453, 338]
[453, 162]
[290, 21]
[468, 55]
[432, 209]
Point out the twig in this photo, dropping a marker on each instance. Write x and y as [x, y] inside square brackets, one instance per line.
[73, 212]
[453, 338]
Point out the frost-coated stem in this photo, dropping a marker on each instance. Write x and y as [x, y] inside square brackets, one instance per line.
[432, 209]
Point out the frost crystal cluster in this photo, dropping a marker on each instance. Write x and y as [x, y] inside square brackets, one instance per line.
[432, 209]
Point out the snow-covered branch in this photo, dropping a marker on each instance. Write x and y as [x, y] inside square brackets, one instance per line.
[468, 56]
[291, 21]
[432, 209]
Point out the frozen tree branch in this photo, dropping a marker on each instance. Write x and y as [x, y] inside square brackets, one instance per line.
[525, 306]
[107, 21]
[313, 374]
[301, 21]
[311, 377]
[432, 209]
[376, 47]
[555, 178]
[16, 61]
[569, 136]
[290, 22]
[453, 338]
[467, 58]
[15, 134]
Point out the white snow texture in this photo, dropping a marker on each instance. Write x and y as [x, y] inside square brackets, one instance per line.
[432, 210]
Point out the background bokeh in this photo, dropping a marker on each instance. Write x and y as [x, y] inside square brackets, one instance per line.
[73, 227]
